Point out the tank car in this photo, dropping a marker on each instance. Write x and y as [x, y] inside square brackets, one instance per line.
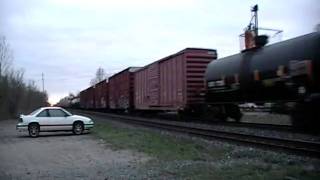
[287, 71]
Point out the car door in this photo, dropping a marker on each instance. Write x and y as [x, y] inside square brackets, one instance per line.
[44, 121]
[60, 120]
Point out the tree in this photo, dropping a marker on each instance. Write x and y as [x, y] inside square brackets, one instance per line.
[6, 56]
[15, 95]
[100, 75]
[317, 27]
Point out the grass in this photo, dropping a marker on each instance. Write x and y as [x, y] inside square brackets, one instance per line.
[186, 158]
[155, 144]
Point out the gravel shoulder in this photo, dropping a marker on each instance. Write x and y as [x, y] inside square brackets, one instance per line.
[60, 155]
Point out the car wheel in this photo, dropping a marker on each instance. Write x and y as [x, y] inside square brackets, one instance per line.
[77, 128]
[34, 130]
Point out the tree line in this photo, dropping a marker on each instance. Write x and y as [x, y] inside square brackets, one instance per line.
[16, 95]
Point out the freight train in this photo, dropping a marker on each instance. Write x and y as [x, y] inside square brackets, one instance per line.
[193, 81]
[173, 83]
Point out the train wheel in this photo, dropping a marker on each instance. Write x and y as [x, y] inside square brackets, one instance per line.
[233, 111]
[183, 115]
[298, 115]
[306, 117]
[217, 113]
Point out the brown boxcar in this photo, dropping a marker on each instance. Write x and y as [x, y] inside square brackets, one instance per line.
[175, 82]
[83, 99]
[121, 89]
[90, 98]
[87, 98]
[101, 92]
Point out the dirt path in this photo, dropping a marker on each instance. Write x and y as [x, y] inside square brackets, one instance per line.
[59, 156]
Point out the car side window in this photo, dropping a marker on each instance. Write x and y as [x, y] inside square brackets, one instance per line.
[43, 113]
[56, 113]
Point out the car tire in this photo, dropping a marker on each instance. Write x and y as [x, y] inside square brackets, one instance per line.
[77, 128]
[34, 130]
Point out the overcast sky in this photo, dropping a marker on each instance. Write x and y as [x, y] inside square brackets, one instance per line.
[68, 40]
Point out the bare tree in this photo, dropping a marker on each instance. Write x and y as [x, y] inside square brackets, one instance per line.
[317, 27]
[71, 95]
[15, 95]
[99, 76]
[6, 56]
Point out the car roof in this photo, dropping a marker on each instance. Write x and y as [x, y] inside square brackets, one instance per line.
[51, 107]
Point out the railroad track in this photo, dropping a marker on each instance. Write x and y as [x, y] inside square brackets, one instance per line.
[305, 148]
[287, 128]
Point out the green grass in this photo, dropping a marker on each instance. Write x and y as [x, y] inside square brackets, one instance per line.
[155, 144]
[183, 158]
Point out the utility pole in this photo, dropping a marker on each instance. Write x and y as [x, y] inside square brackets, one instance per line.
[42, 82]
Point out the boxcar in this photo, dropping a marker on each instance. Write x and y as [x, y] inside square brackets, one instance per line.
[121, 90]
[91, 98]
[101, 91]
[83, 99]
[173, 83]
[87, 98]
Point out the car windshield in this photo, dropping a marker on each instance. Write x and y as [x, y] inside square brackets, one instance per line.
[35, 112]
